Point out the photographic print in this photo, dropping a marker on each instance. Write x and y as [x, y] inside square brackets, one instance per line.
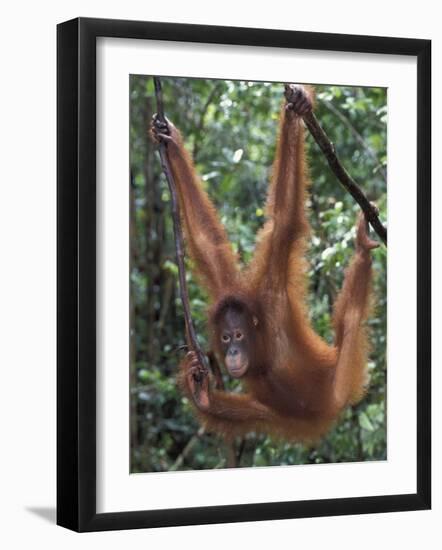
[283, 274]
[222, 274]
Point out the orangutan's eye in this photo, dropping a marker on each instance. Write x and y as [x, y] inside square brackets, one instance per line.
[239, 335]
[225, 338]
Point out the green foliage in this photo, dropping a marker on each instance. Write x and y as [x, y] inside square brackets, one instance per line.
[230, 128]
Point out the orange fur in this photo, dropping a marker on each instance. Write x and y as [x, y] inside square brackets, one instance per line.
[298, 384]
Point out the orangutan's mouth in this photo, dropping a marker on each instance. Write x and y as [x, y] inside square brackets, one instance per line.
[236, 366]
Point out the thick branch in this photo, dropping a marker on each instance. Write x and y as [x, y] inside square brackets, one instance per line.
[340, 172]
[192, 339]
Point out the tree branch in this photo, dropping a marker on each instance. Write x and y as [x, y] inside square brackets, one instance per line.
[370, 152]
[189, 447]
[327, 147]
[200, 124]
[191, 337]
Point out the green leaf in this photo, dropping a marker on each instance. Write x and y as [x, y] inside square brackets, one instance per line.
[171, 267]
[365, 423]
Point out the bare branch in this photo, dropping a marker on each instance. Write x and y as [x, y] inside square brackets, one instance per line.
[327, 147]
[369, 150]
[189, 447]
[192, 339]
[200, 124]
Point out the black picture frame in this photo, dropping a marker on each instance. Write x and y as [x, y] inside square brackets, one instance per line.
[76, 273]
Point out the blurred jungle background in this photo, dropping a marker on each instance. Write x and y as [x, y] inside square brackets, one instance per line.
[230, 129]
